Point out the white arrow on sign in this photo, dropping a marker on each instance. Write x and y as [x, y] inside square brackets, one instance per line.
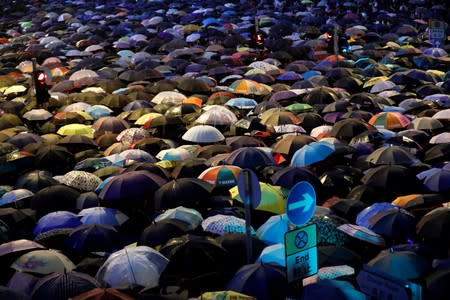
[306, 203]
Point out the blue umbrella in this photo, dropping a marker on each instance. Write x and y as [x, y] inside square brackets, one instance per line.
[94, 238]
[332, 289]
[57, 219]
[273, 230]
[311, 153]
[438, 181]
[363, 218]
[274, 254]
[98, 111]
[242, 103]
[15, 195]
[394, 223]
[102, 215]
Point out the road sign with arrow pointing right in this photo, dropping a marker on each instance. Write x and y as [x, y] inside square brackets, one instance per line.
[301, 203]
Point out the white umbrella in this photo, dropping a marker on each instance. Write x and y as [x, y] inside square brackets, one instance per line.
[203, 134]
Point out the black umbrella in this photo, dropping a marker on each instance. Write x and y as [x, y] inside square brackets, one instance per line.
[158, 233]
[173, 194]
[348, 208]
[196, 263]
[349, 128]
[63, 286]
[11, 294]
[328, 256]
[262, 281]
[35, 181]
[393, 155]
[56, 159]
[434, 228]
[321, 95]
[393, 178]
[54, 198]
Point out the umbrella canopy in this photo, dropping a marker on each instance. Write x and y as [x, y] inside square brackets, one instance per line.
[17, 246]
[273, 230]
[311, 153]
[221, 176]
[43, 262]
[81, 180]
[203, 134]
[131, 267]
[389, 120]
[103, 216]
[273, 198]
[248, 87]
[260, 280]
[198, 260]
[94, 238]
[249, 157]
[403, 264]
[223, 224]
[80, 129]
[63, 285]
[393, 155]
[188, 215]
[57, 219]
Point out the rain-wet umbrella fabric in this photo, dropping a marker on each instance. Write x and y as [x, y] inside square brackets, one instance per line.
[132, 267]
[57, 219]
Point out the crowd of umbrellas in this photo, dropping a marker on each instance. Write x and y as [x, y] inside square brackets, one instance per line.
[123, 185]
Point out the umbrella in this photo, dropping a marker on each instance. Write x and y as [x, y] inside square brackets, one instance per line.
[249, 157]
[57, 219]
[48, 199]
[15, 196]
[311, 153]
[389, 120]
[203, 134]
[392, 155]
[81, 180]
[394, 223]
[175, 154]
[158, 233]
[405, 265]
[223, 224]
[364, 217]
[131, 186]
[331, 288]
[225, 295]
[132, 135]
[260, 280]
[22, 139]
[173, 194]
[101, 293]
[438, 182]
[137, 155]
[18, 246]
[131, 267]
[196, 262]
[94, 238]
[273, 198]
[63, 285]
[110, 124]
[169, 97]
[349, 128]
[181, 213]
[80, 129]
[426, 123]
[37, 115]
[103, 216]
[43, 262]
[273, 230]
[217, 115]
[441, 138]
[248, 87]
[273, 254]
[221, 176]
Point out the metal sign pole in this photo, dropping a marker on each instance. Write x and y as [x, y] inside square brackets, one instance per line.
[248, 232]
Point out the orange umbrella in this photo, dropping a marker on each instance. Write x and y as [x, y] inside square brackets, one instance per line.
[221, 176]
[389, 120]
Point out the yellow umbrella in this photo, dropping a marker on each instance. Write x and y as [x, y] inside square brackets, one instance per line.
[14, 89]
[76, 128]
[273, 197]
[190, 28]
[375, 80]
[254, 72]
[225, 295]
[147, 117]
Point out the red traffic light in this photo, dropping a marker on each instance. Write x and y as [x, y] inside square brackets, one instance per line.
[41, 77]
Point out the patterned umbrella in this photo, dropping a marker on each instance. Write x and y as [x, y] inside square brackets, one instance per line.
[81, 180]
[222, 224]
[132, 135]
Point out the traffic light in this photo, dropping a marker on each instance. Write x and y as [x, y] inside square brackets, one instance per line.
[41, 87]
[258, 40]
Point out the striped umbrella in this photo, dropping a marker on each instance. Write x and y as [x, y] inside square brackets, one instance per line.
[389, 120]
